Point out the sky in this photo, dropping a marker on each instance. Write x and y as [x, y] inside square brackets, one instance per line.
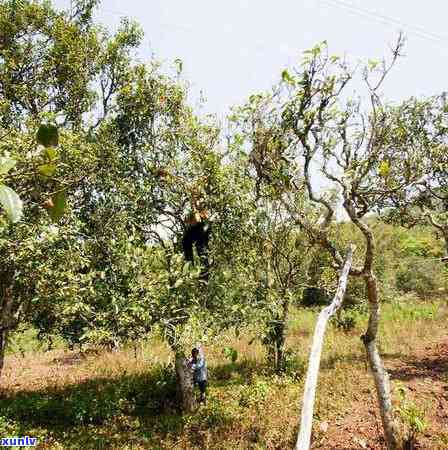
[231, 49]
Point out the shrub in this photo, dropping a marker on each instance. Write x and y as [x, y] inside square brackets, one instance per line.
[254, 394]
[294, 365]
[313, 296]
[348, 318]
[412, 418]
[422, 277]
[230, 353]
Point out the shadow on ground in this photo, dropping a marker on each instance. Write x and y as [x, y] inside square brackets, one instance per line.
[105, 412]
[434, 368]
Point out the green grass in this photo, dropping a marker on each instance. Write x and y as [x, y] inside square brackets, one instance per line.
[110, 401]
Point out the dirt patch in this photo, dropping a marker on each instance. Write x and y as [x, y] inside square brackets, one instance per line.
[425, 374]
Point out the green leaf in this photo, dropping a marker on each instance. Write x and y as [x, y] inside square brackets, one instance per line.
[230, 353]
[60, 204]
[384, 168]
[286, 77]
[372, 64]
[47, 170]
[6, 164]
[178, 283]
[420, 424]
[48, 135]
[51, 153]
[11, 203]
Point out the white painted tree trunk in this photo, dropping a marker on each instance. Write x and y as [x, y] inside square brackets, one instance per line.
[304, 437]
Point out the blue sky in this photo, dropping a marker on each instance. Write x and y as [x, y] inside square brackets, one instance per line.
[233, 48]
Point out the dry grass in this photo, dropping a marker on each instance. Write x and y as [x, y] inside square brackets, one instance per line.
[248, 407]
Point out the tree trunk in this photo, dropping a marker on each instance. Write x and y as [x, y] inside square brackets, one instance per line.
[6, 317]
[280, 350]
[445, 238]
[379, 373]
[306, 422]
[3, 342]
[185, 387]
[280, 336]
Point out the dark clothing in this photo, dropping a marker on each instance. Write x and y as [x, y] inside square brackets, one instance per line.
[202, 385]
[199, 367]
[198, 236]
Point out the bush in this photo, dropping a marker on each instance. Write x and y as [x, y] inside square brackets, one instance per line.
[294, 366]
[348, 318]
[313, 296]
[421, 277]
[230, 353]
[254, 394]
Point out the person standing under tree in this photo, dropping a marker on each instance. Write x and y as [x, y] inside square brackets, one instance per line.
[199, 367]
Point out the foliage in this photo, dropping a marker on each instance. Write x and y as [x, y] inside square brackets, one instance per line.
[230, 353]
[9, 200]
[111, 150]
[347, 319]
[254, 394]
[51, 62]
[413, 417]
[281, 248]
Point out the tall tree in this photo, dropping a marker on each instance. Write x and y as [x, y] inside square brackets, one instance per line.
[357, 149]
[426, 202]
[51, 63]
[281, 247]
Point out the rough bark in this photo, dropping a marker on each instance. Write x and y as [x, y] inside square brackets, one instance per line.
[280, 349]
[7, 321]
[282, 336]
[380, 375]
[3, 342]
[185, 387]
[304, 436]
[445, 238]
[276, 347]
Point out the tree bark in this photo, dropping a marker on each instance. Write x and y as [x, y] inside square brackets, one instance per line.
[304, 437]
[280, 338]
[445, 238]
[185, 386]
[3, 342]
[6, 314]
[280, 349]
[380, 375]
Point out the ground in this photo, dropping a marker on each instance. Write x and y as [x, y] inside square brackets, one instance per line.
[124, 400]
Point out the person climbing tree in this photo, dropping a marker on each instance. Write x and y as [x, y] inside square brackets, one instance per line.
[197, 235]
[197, 223]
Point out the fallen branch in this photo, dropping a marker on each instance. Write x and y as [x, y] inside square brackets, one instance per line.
[303, 439]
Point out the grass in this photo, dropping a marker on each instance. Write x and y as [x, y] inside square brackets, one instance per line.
[117, 401]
